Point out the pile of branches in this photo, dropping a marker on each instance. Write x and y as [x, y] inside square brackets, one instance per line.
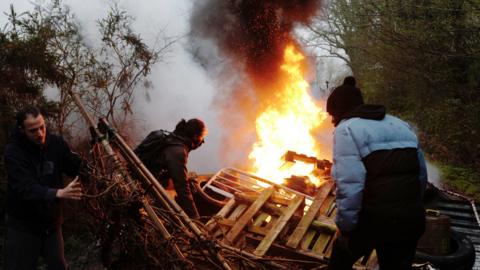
[113, 203]
[117, 203]
[138, 226]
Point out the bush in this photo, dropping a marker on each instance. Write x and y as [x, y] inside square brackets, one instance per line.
[461, 179]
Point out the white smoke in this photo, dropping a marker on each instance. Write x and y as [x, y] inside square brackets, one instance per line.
[434, 175]
[181, 87]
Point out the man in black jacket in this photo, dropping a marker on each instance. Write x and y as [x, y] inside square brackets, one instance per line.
[169, 161]
[35, 161]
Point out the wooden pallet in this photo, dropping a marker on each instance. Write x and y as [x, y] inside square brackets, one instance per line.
[278, 218]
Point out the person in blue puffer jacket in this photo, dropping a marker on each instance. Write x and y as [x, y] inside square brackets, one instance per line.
[380, 177]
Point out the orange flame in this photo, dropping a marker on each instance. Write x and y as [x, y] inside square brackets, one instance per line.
[287, 124]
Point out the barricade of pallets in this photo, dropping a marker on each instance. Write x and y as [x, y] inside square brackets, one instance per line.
[276, 222]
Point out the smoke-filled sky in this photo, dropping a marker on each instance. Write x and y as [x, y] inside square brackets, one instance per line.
[181, 88]
[184, 84]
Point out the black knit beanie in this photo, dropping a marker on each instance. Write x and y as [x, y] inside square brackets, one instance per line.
[344, 98]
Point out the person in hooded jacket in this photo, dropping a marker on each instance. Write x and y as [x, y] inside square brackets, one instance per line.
[35, 161]
[171, 161]
[380, 177]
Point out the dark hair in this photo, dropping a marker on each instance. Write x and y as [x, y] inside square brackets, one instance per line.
[27, 110]
[190, 128]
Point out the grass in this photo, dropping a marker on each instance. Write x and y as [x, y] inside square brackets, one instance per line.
[463, 180]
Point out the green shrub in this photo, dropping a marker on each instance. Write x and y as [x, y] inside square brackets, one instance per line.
[461, 179]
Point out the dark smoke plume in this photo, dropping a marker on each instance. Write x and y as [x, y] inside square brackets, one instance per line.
[252, 32]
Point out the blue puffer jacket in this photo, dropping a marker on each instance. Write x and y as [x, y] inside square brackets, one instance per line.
[369, 152]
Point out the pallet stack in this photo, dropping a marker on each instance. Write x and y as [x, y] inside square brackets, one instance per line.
[278, 223]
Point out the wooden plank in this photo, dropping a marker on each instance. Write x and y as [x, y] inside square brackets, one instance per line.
[324, 224]
[211, 224]
[307, 219]
[278, 250]
[271, 223]
[277, 199]
[268, 207]
[233, 216]
[237, 212]
[328, 252]
[312, 255]
[250, 228]
[260, 219]
[307, 239]
[321, 243]
[252, 196]
[248, 215]
[329, 201]
[279, 225]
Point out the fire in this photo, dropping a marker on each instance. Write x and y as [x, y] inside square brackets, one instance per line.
[287, 124]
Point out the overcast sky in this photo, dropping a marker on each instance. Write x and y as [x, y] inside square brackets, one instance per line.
[181, 88]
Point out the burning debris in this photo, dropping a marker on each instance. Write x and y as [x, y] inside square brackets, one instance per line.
[257, 38]
[274, 227]
[320, 167]
[287, 123]
[278, 222]
[320, 170]
[139, 224]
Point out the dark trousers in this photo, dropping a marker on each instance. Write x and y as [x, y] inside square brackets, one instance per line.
[22, 249]
[395, 254]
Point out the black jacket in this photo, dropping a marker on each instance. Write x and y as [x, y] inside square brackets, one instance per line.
[34, 174]
[174, 158]
[171, 163]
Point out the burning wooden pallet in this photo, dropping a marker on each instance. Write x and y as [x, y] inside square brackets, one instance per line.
[276, 222]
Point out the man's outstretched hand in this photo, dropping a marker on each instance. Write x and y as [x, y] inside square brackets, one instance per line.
[72, 191]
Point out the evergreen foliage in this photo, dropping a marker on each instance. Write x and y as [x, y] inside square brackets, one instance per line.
[419, 58]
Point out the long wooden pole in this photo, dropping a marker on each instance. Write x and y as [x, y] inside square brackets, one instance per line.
[165, 198]
[112, 155]
[157, 195]
[169, 203]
